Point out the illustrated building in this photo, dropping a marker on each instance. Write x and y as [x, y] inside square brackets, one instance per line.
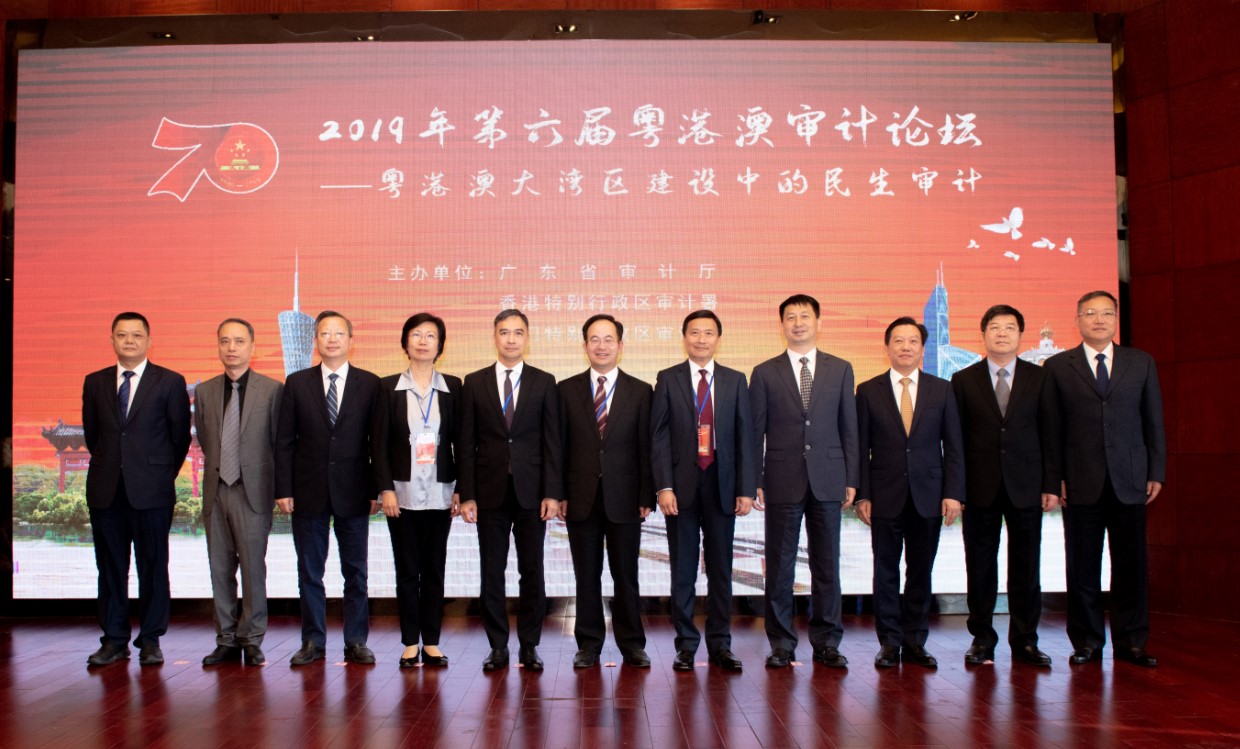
[942, 358]
[296, 331]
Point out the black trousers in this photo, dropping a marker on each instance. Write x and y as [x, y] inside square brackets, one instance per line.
[420, 551]
[115, 528]
[528, 531]
[981, 530]
[702, 522]
[623, 540]
[1124, 526]
[903, 621]
[822, 537]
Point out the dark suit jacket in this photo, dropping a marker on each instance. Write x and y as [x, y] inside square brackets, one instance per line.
[148, 450]
[619, 462]
[488, 452]
[1119, 434]
[390, 436]
[673, 417]
[926, 464]
[1018, 450]
[259, 416]
[318, 465]
[817, 448]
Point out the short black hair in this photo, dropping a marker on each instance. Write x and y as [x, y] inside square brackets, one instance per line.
[505, 314]
[415, 321]
[701, 314]
[797, 300]
[1095, 295]
[1003, 309]
[906, 320]
[348, 324]
[585, 329]
[132, 316]
[238, 321]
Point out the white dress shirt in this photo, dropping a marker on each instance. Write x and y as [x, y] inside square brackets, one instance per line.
[897, 388]
[133, 381]
[1091, 354]
[501, 374]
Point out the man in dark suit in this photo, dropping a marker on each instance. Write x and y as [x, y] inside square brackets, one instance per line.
[1008, 414]
[804, 411]
[235, 414]
[510, 482]
[1114, 458]
[608, 490]
[703, 455]
[323, 476]
[135, 418]
[912, 479]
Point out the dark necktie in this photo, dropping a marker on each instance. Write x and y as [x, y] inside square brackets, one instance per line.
[508, 407]
[807, 383]
[706, 417]
[600, 405]
[1003, 391]
[1104, 377]
[230, 438]
[123, 396]
[333, 406]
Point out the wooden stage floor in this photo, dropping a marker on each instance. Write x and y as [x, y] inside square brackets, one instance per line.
[49, 699]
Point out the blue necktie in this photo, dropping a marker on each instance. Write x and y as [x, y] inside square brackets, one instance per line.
[333, 406]
[123, 396]
[1104, 379]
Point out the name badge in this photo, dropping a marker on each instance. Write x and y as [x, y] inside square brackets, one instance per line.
[424, 448]
[704, 442]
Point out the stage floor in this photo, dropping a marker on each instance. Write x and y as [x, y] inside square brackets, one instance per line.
[49, 699]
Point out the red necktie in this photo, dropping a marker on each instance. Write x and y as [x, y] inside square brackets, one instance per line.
[706, 417]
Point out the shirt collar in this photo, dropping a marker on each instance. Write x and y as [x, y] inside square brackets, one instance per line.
[1091, 354]
[138, 371]
[243, 379]
[343, 371]
[795, 358]
[437, 382]
[695, 370]
[994, 368]
[895, 377]
[611, 376]
[517, 369]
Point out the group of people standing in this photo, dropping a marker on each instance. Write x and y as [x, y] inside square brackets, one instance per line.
[510, 449]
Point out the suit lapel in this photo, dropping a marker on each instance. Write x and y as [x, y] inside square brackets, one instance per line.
[1020, 386]
[1076, 357]
[1119, 367]
[322, 397]
[686, 388]
[981, 380]
[792, 380]
[150, 378]
[820, 379]
[586, 394]
[519, 406]
[892, 407]
[253, 386]
[921, 404]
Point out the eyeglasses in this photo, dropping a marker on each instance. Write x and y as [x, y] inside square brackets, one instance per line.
[418, 335]
[1093, 314]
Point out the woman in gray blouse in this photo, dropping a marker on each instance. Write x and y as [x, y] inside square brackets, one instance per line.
[415, 472]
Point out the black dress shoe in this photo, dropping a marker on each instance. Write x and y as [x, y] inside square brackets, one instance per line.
[360, 654]
[684, 661]
[411, 661]
[888, 656]
[726, 660]
[979, 655]
[1031, 655]
[780, 658]
[221, 654]
[309, 653]
[496, 661]
[253, 655]
[830, 657]
[529, 658]
[1081, 656]
[150, 655]
[107, 654]
[637, 659]
[585, 659]
[1136, 656]
[918, 655]
[439, 661]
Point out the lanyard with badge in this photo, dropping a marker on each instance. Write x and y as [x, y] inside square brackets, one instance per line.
[517, 384]
[424, 444]
[703, 430]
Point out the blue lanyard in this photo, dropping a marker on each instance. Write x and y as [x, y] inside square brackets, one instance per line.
[516, 385]
[606, 399]
[701, 405]
[426, 415]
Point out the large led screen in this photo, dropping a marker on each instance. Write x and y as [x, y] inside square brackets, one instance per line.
[639, 178]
